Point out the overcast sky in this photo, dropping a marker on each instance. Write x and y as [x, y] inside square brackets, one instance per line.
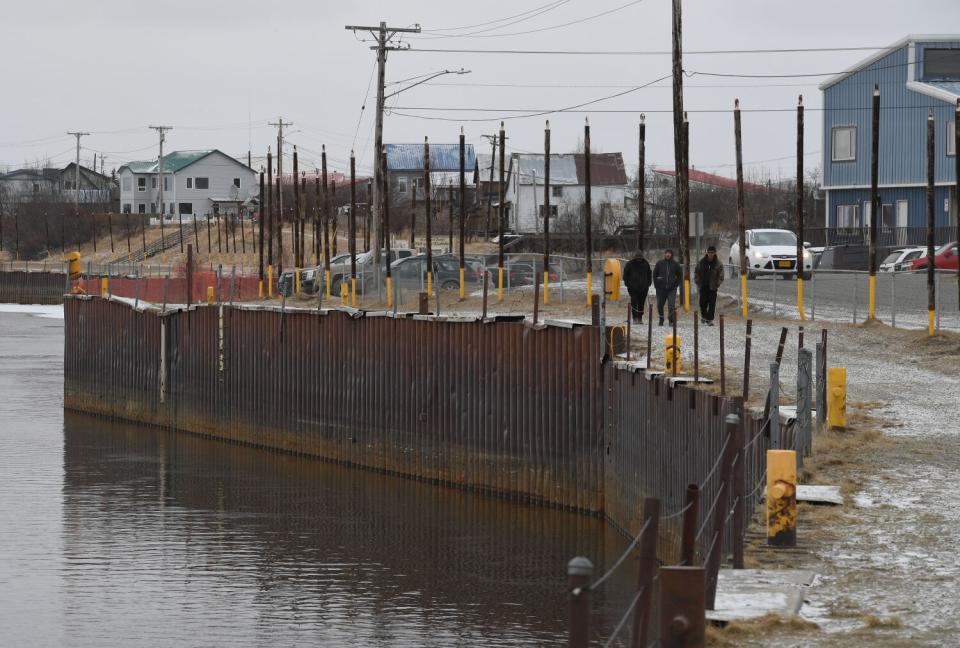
[219, 70]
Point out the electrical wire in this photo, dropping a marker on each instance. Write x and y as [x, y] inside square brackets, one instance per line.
[489, 22]
[363, 106]
[478, 33]
[783, 50]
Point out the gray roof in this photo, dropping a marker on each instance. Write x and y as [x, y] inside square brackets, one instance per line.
[563, 168]
[443, 157]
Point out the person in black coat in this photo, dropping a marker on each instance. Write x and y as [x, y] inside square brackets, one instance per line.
[667, 275]
[637, 277]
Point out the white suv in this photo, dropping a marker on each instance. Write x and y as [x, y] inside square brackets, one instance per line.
[770, 251]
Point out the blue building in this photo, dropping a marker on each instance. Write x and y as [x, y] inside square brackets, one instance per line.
[915, 75]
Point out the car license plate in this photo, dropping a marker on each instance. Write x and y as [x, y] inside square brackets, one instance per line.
[783, 264]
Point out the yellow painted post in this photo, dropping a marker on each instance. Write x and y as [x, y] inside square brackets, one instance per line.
[210, 295]
[344, 293]
[589, 288]
[327, 282]
[500, 284]
[104, 286]
[743, 296]
[671, 352]
[390, 292]
[803, 315]
[612, 276]
[75, 265]
[463, 286]
[296, 281]
[260, 289]
[429, 283]
[782, 498]
[353, 291]
[270, 281]
[546, 287]
[872, 298]
[930, 322]
[837, 397]
[686, 295]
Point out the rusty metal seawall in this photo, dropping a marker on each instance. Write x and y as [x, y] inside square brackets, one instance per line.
[498, 407]
[20, 287]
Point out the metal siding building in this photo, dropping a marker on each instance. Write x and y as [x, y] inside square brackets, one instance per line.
[906, 96]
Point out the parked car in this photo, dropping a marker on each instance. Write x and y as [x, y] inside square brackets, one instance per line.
[946, 257]
[310, 280]
[410, 273]
[340, 267]
[902, 259]
[770, 251]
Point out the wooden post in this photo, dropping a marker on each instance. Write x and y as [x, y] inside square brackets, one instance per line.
[427, 198]
[682, 607]
[297, 264]
[715, 552]
[723, 362]
[463, 210]
[269, 209]
[800, 235]
[502, 216]
[189, 273]
[931, 214]
[546, 216]
[688, 536]
[741, 214]
[875, 206]
[260, 220]
[579, 572]
[642, 184]
[746, 362]
[353, 230]
[588, 209]
[279, 222]
[685, 213]
[326, 221]
[647, 571]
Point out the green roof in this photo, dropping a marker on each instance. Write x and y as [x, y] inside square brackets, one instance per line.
[173, 161]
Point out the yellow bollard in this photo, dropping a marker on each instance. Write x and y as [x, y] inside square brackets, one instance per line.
[589, 288]
[671, 353]
[872, 298]
[931, 318]
[270, 281]
[327, 282]
[612, 276]
[296, 281]
[686, 295]
[260, 289]
[463, 286]
[344, 293]
[743, 296]
[104, 286]
[500, 284]
[803, 315]
[782, 498]
[429, 283]
[546, 288]
[75, 267]
[211, 296]
[837, 397]
[390, 292]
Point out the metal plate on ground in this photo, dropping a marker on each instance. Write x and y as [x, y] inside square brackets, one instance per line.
[819, 494]
[753, 593]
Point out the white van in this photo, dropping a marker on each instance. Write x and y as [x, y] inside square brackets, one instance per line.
[769, 251]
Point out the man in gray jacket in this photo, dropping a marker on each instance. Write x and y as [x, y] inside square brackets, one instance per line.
[667, 275]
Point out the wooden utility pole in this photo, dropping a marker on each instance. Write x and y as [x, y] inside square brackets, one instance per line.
[493, 159]
[450, 216]
[267, 207]
[642, 184]
[502, 225]
[280, 124]
[875, 207]
[679, 162]
[278, 222]
[800, 248]
[76, 188]
[685, 212]
[546, 214]
[382, 35]
[353, 229]
[386, 225]
[956, 196]
[931, 215]
[297, 263]
[316, 222]
[463, 207]
[162, 134]
[741, 215]
[326, 220]
[588, 210]
[260, 228]
[426, 198]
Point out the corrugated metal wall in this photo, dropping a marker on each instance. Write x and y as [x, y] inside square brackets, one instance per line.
[19, 287]
[501, 408]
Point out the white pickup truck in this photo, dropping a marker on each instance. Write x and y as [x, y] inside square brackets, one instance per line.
[769, 251]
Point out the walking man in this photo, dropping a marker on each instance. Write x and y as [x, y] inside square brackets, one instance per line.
[708, 276]
[636, 276]
[666, 279]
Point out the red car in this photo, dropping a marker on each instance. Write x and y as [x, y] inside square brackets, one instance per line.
[946, 257]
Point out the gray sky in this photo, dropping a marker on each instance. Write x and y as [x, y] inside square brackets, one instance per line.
[218, 70]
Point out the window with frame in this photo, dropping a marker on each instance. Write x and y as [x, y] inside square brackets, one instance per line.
[844, 144]
[887, 216]
[166, 183]
[186, 208]
[141, 184]
[189, 183]
[941, 63]
[126, 208]
[201, 183]
[556, 192]
[141, 208]
[951, 138]
[153, 208]
[170, 208]
[153, 182]
[847, 216]
[401, 185]
[553, 211]
[236, 183]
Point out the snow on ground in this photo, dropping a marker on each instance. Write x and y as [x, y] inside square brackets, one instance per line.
[47, 312]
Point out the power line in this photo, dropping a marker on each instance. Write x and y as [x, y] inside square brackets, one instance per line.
[363, 106]
[489, 22]
[794, 50]
[539, 12]
[622, 85]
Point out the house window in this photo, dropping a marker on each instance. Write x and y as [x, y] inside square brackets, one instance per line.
[941, 63]
[141, 184]
[556, 192]
[886, 216]
[166, 183]
[401, 185]
[236, 182]
[126, 184]
[170, 208]
[844, 146]
[141, 208]
[186, 208]
[189, 183]
[153, 182]
[553, 211]
[847, 216]
[153, 208]
[201, 183]
[126, 208]
[951, 138]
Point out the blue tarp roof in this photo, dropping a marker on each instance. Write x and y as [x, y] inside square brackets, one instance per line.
[443, 157]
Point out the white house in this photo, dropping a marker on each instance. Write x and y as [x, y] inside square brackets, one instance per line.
[195, 184]
[525, 185]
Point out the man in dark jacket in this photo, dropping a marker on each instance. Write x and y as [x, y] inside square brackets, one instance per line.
[666, 279]
[708, 276]
[636, 276]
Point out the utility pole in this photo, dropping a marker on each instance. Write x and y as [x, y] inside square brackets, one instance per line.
[161, 131]
[493, 158]
[76, 192]
[383, 35]
[280, 124]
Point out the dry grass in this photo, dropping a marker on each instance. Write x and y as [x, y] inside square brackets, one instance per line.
[735, 632]
[875, 622]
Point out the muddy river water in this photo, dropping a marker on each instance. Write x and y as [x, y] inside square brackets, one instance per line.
[115, 534]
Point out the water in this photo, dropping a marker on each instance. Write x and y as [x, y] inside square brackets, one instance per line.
[122, 535]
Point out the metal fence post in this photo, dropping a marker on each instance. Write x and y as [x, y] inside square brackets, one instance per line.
[579, 571]
[715, 553]
[688, 536]
[774, 416]
[682, 607]
[739, 493]
[648, 567]
[804, 405]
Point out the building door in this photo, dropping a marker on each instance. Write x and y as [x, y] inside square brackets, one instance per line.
[902, 222]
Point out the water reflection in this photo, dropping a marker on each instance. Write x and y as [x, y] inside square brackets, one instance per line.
[170, 539]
